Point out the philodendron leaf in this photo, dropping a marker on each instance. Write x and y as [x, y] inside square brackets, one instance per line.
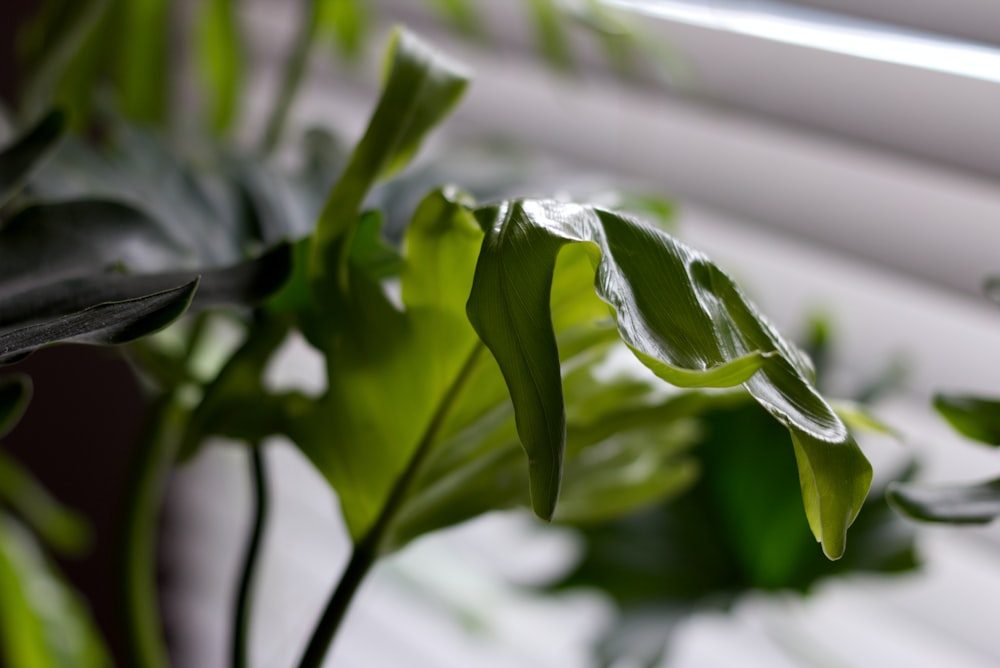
[951, 504]
[973, 417]
[245, 283]
[394, 375]
[19, 159]
[108, 323]
[680, 314]
[43, 622]
[15, 393]
[421, 89]
[48, 242]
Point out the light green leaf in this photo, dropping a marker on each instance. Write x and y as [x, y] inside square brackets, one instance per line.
[19, 159]
[950, 504]
[220, 59]
[140, 66]
[347, 21]
[672, 306]
[105, 324]
[973, 417]
[43, 623]
[62, 528]
[394, 375]
[421, 89]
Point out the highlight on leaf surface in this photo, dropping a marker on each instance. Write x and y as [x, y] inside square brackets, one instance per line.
[681, 315]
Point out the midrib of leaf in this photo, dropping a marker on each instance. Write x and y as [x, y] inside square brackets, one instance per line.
[401, 488]
[367, 550]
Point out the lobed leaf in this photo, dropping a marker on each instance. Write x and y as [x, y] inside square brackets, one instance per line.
[393, 374]
[679, 313]
[421, 89]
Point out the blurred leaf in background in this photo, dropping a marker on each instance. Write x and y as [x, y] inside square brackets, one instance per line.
[739, 529]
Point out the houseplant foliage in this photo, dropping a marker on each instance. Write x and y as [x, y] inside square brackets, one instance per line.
[482, 334]
[978, 419]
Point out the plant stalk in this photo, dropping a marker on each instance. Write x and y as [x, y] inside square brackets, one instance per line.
[139, 603]
[244, 593]
[291, 80]
[366, 551]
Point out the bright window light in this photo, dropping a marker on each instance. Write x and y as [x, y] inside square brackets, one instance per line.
[830, 32]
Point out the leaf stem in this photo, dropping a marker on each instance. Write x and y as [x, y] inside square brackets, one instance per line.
[366, 551]
[244, 593]
[291, 80]
[139, 603]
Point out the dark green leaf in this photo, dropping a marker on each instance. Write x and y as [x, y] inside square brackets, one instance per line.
[951, 504]
[220, 56]
[422, 88]
[109, 323]
[973, 417]
[243, 284]
[18, 160]
[43, 623]
[62, 528]
[681, 316]
[15, 393]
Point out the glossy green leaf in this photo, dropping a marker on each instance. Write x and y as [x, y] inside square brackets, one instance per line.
[15, 393]
[973, 417]
[680, 314]
[108, 323]
[43, 623]
[410, 362]
[421, 89]
[951, 504]
[62, 528]
[19, 159]
[220, 59]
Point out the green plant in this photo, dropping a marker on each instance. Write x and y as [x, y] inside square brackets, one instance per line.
[521, 300]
